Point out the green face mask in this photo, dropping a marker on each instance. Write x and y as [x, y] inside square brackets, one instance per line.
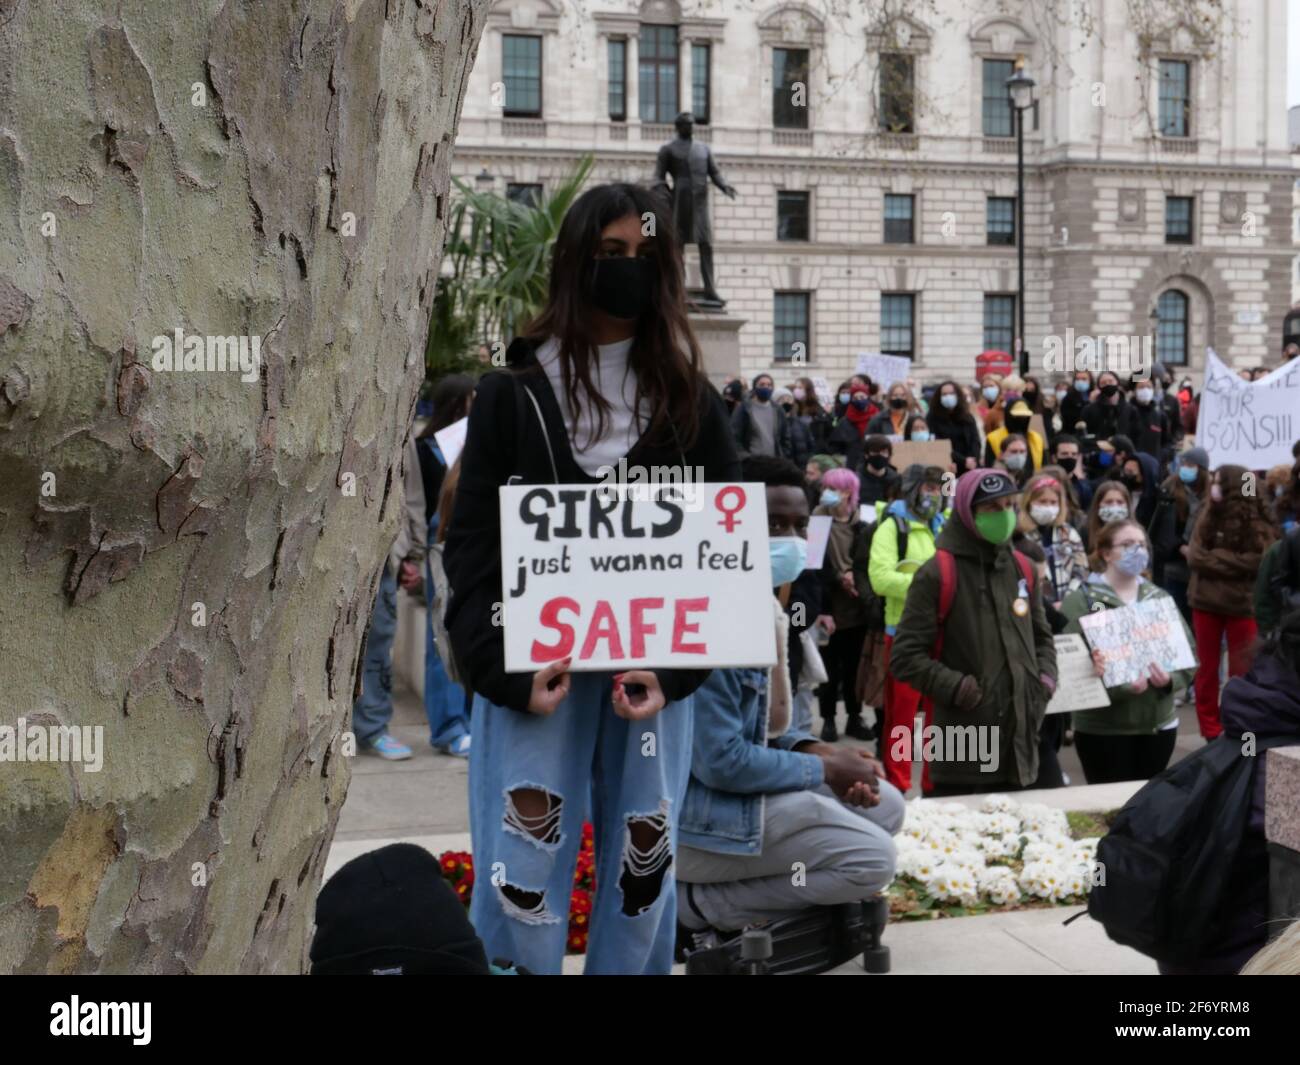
[996, 526]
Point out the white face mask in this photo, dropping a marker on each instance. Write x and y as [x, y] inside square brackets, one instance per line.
[1044, 513]
[799, 394]
[1144, 395]
[1112, 512]
[1015, 461]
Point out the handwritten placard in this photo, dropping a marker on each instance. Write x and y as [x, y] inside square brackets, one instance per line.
[1132, 637]
[1077, 686]
[884, 370]
[645, 576]
[1249, 423]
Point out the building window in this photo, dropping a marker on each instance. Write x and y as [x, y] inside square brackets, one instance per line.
[898, 219]
[521, 67]
[1175, 98]
[529, 194]
[790, 88]
[1178, 219]
[1001, 220]
[792, 215]
[790, 325]
[618, 81]
[997, 101]
[701, 82]
[896, 93]
[657, 59]
[896, 319]
[999, 323]
[1171, 328]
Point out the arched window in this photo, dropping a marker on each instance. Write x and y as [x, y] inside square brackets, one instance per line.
[1171, 328]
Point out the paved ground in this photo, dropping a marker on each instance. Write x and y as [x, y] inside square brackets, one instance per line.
[423, 800]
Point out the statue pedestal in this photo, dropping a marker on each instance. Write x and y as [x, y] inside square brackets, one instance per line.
[719, 335]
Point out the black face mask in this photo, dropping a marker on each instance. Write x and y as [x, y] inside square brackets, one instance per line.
[877, 461]
[623, 287]
[898, 403]
[1068, 464]
[1109, 390]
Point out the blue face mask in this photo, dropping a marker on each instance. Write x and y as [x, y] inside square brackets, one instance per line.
[949, 400]
[1187, 474]
[921, 434]
[1081, 386]
[1133, 561]
[789, 555]
[830, 498]
[763, 393]
[990, 393]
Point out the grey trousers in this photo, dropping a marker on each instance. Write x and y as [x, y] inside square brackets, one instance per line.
[817, 851]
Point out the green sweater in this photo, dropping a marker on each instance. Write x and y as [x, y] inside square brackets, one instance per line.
[1128, 714]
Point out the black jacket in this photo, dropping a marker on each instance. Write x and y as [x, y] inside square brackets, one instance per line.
[1105, 420]
[1150, 429]
[1072, 407]
[505, 440]
[963, 435]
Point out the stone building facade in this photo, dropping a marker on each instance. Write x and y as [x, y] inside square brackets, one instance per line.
[1158, 175]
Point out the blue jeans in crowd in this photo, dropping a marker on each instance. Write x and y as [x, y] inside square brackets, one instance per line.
[445, 702]
[374, 706]
[634, 773]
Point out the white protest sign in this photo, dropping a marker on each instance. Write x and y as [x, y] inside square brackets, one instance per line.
[1249, 423]
[1132, 637]
[451, 440]
[867, 513]
[823, 389]
[819, 532]
[1077, 686]
[636, 577]
[884, 370]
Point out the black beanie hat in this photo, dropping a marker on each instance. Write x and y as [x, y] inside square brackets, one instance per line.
[389, 912]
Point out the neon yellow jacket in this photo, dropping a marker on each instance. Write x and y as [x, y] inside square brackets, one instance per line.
[886, 579]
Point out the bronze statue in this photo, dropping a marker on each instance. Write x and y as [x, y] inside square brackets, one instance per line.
[690, 165]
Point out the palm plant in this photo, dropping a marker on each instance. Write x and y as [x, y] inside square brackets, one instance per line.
[495, 271]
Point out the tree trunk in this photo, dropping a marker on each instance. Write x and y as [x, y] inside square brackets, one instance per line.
[184, 561]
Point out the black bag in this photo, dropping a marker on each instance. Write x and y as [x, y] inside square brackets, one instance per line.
[1169, 855]
[873, 604]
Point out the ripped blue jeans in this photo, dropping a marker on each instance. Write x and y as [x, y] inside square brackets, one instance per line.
[532, 780]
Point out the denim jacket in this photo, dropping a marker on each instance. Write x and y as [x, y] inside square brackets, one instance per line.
[733, 767]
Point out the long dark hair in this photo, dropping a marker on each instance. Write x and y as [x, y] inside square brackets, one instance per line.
[960, 413]
[665, 355]
[1241, 516]
[810, 403]
[448, 399]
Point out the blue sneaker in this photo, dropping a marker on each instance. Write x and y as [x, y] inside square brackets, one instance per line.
[458, 747]
[388, 748]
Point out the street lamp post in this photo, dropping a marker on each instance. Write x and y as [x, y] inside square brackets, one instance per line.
[1020, 87]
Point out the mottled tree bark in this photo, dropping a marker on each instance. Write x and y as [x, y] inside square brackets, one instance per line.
[181, 559]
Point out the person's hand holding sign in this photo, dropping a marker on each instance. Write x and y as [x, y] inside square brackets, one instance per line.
[1099, 663]
[1159, 678]
[1139, 685]
[550, 686]
[637, 694]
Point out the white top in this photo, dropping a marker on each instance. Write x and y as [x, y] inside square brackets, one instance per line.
[613, 381]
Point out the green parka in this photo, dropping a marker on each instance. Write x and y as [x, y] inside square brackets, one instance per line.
[986, 639]
[1128, 714]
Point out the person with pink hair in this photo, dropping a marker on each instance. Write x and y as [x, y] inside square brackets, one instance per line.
[840, 599]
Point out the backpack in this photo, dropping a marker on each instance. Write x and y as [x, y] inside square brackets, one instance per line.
[1170, 852]
[872, 603]
[948, 586]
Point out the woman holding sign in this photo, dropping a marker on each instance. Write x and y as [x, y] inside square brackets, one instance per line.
[1133, 738]
[608, 371]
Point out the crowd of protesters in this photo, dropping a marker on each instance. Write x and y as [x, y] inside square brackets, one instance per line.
[941, 590]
